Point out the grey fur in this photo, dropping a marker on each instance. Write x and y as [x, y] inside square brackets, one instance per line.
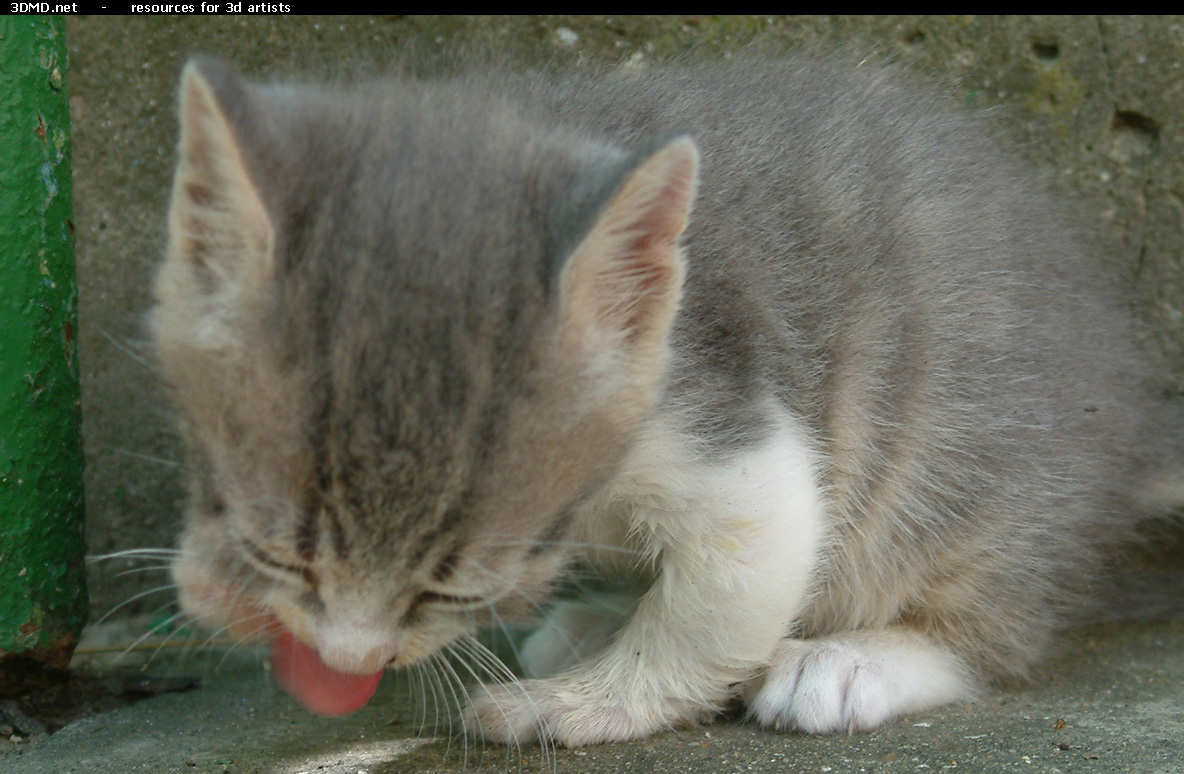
[858, 253]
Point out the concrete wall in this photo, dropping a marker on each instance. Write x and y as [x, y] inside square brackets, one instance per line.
[1096, 104]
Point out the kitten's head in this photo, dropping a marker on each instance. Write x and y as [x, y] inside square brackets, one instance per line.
[408, 335]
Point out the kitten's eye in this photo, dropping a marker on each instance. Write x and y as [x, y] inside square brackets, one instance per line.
[447, 566]
[443, 571]
[260, 556]
[450, 600]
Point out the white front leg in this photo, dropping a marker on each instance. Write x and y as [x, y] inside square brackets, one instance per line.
[734, 542]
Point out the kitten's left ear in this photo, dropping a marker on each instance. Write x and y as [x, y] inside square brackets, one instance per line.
[622, 284]
[219, 226]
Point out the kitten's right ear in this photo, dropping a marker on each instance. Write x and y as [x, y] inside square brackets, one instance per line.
[219, 227]
[623, 282]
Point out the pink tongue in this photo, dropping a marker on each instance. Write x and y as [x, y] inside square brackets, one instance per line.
[321, 689]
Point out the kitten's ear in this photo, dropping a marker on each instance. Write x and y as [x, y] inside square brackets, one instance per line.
[623, 282]
[218, 224]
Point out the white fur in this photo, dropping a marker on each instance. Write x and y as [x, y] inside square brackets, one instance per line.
[357, 646]
[856, 681]
[734, 543]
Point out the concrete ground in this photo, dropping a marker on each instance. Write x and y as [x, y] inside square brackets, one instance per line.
[1113, 701]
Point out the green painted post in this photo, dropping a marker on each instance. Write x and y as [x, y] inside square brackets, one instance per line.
[43, 602]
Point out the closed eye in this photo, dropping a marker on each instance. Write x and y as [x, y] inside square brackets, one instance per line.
[444, 570]
[269, 562]
[446, 567]
[451, 600]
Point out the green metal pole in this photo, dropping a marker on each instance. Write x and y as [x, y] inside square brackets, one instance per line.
[43, 601]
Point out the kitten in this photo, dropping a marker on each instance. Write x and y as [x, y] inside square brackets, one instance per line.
[793, 345]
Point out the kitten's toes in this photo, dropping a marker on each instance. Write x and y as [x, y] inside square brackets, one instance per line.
[514, 713]
[502, 713]
[856, 684]
[824, 689]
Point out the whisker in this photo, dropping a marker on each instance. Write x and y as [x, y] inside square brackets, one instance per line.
[133, 598]
[495, 668]
[136, 553]
[155, 629]
[546, 743]
[456, 688]
[510, 643]
[167, 628]
[511, 540]
[96, 649]
[134, 570]
[490, 602]
[418, 686]
[441, 688]
[126, 349]
[141, 456]
[236, 644]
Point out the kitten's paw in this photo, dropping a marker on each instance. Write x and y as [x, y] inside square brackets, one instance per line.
[571, 715]
[824, 689]
[855, 684]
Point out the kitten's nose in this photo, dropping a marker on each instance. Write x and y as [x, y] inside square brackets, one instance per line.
[354, 649]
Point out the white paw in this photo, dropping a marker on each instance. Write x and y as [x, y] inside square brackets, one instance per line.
[571, 715]
[845, 685]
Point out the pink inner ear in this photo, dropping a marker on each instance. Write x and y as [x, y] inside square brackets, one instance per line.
[321, 689]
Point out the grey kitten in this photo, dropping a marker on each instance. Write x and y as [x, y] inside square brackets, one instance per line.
[792, 344]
